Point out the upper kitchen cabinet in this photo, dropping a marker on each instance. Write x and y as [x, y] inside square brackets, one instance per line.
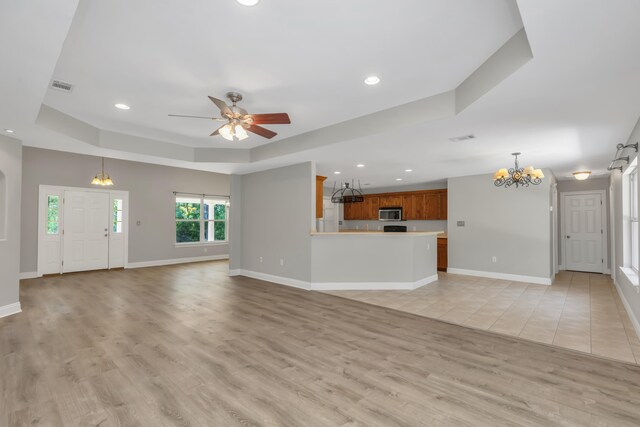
[416, 205]
[319, 195]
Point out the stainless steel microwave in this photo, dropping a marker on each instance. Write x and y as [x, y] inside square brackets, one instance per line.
[390, 214]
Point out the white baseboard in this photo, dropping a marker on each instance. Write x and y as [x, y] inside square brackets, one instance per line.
[503, 276]
[8, 310]
[175, 261]
[370, 286]
[29, 275]
[560, 267]
[295, 283]
[334, 286]
[627, 307]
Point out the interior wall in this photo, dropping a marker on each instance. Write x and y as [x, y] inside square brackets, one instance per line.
[591, 184]
[151, 200]
[277, 216]
[511, 224]
[10, 166]
[629, 293]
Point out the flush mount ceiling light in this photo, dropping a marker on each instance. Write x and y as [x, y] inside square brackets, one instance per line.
[248, 2]
[581, 175]
[101, 178]
[359, 165]
[347, 193]
[398, 179]
[337, 173]
[122, 107]
[517, 175]
[408, 170]
[372, 80]
[9, 130]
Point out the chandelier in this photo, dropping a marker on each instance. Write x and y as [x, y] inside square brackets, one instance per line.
[517, 176]
[101, 178]
[346, 194]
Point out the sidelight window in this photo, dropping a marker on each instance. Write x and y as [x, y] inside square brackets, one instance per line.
[633, 218]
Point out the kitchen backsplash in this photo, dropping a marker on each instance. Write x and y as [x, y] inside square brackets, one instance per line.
[411, 225]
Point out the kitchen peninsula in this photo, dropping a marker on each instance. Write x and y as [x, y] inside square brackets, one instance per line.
[373, 260]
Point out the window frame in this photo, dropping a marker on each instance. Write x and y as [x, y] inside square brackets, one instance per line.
[202, 221]
[634, 237]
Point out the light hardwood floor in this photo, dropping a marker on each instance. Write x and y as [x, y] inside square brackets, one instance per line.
[188, 345]
[579, 311]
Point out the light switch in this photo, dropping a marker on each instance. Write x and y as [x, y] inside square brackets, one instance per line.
[460, 223]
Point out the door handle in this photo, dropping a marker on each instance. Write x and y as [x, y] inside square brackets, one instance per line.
[106, 235]
[568, 237]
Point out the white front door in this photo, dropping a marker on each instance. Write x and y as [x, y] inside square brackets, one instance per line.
[583, 232]
[86, 231]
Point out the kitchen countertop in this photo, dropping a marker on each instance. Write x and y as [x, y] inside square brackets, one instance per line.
[377, 233]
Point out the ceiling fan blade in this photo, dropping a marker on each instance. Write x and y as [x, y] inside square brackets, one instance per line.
[224, 108]
[259, 130]
[270, 119]
[194, 117]
[217, 131]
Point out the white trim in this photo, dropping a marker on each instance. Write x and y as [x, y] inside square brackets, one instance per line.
[295, 283]
[561, 267]
[503, 276]
[370, 286]
[201, 244]
[631, 276]
[160, 262]
[627, 307]
[9, 309]
[334, 286]
[604, 218]
[29, 275]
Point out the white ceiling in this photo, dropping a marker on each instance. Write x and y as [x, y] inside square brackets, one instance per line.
[305, 58]
[566, 109]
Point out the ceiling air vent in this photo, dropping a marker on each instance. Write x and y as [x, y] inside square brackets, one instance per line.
[62, 86]
[462, 138]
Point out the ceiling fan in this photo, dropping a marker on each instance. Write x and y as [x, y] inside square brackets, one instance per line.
[239, 121]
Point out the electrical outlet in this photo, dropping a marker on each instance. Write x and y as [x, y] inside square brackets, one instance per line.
[260, 260]
[428, 246]
[138, 223]
[205, 249]
[414, 228]
[494, 259]
[379, 228]
[281, 262]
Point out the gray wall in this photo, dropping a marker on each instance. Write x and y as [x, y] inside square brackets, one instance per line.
[595, 184]
[277, 215]
[628, 291]
[151, 200]
[512, 224]
[10, 166]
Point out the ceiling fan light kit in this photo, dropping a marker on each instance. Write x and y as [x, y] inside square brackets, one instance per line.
[517, 175]
[239, 121]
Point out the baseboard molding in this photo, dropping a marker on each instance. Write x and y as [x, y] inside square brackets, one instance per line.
[295, 283]
[176, 261]
[334, 286]
[372, 286]
[29, 275]
[502, 276]
[8, 310]
[627, 307]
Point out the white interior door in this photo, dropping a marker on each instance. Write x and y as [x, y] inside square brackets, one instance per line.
[583, 232]
[86, 231]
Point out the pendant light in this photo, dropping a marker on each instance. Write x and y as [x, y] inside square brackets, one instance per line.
[101, 178]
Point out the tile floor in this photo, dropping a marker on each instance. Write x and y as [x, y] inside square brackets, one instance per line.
[580, 311]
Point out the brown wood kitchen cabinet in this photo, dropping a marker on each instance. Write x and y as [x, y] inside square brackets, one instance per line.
[319, 195]
[442, 254]
[416, 205]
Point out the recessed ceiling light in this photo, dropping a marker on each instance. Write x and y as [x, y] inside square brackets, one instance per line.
[248, 2]
[9, 130]
[372, 80]
[360, 165]
[408, 170]
[336, 173]
[398, 179]
[122, 107]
